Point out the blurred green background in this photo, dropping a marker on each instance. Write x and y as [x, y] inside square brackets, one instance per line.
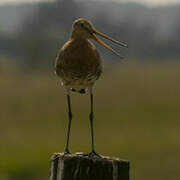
[137, 102]
[136, 118]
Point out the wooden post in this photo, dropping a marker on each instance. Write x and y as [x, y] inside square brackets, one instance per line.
[81, 167]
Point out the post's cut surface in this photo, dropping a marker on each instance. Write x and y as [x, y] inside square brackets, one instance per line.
[81, 167]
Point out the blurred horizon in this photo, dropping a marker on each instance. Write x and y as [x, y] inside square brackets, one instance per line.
[41, 28]
[145, 2]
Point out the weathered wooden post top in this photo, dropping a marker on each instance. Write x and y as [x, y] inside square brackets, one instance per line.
[82, 167]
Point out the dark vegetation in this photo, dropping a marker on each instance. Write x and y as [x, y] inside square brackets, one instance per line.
[32, 33]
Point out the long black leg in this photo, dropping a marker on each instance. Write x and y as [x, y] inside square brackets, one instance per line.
[91, 118]
[69, 124]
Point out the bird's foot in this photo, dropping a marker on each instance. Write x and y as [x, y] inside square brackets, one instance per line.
[66, 152]
[93, 154]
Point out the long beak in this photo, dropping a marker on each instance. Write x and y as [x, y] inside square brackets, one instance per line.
[108, 38]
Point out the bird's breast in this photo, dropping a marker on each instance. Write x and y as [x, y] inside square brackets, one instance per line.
[78, 62]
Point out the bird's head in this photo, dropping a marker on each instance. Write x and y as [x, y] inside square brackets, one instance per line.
[84, 28]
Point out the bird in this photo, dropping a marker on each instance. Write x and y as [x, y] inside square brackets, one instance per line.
[78, 64]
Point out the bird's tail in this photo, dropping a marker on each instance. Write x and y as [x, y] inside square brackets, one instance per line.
[81, 91]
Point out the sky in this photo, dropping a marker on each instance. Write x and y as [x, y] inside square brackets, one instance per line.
[148, 2]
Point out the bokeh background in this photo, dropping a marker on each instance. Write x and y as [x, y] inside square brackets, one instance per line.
[137, 101]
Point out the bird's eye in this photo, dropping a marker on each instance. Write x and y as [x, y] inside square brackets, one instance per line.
[82, 24]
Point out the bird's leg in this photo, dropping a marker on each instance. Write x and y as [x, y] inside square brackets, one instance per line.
[69, 124]
[91, 118]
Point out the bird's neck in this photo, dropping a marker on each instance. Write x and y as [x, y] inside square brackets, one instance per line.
[78, 38]
[75, 35]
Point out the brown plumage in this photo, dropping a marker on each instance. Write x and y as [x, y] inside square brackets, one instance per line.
[78, 64]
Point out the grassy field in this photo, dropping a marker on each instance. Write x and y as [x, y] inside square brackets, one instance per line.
[137, 117]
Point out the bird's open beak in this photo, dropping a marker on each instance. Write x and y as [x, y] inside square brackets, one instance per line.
[108, 38]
